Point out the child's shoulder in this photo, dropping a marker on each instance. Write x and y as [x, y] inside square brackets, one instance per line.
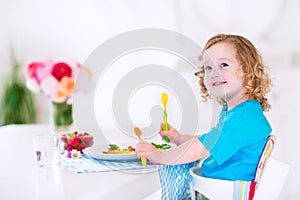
[250, 111]
[247, 109]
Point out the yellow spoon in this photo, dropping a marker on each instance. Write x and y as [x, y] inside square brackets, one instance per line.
[164, 98]
[138, 133]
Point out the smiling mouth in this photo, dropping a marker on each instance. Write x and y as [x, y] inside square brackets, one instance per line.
[218, 83]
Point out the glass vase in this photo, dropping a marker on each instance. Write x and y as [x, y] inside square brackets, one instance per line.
[61, 117]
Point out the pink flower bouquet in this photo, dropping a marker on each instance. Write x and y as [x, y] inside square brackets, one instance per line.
[55, 79]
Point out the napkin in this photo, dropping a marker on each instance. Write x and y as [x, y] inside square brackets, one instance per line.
[85, 164]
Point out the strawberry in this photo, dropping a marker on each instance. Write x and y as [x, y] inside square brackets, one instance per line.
[68, 147]
[87, 141]
[75, 142]
[64, 138]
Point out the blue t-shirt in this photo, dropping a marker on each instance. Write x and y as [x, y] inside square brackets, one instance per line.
[236, 142]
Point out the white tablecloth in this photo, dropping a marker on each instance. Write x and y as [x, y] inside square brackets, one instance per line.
[21, 178]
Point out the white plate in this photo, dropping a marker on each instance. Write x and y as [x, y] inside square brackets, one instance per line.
[97, 152]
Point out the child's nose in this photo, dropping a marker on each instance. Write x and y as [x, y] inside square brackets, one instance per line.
[215, 72]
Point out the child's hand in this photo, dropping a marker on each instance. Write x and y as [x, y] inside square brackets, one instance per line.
[172, 133]
[143, 149]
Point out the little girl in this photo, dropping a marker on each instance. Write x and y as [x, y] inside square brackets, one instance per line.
[233, 74]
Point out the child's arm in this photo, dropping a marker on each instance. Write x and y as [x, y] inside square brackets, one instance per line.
[189, 151]
[174, 136]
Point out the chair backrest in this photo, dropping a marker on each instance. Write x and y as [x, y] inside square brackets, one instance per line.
[267, 151]
[270, 174]
[247, 189]
[272, 180]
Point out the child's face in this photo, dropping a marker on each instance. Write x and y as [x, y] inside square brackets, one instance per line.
[221, 76]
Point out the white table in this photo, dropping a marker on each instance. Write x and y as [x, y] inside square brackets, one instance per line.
[21, 178]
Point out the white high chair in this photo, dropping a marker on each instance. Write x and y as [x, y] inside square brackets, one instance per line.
[267, 185]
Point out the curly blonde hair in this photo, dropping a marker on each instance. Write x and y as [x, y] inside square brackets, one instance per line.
[256, 79]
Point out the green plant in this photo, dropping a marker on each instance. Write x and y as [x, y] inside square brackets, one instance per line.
[17, 103]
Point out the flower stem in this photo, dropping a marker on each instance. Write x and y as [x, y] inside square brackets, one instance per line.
[62, 114]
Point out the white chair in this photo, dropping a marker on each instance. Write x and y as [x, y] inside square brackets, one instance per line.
[272, 180]
[269, 181]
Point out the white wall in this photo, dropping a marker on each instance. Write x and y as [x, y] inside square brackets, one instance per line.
[285, 119]
[74, 28]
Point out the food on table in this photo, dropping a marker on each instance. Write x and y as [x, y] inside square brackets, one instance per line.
[77, 141]
[115, 149]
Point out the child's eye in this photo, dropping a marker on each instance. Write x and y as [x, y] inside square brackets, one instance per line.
[207, 68]
[223, 65]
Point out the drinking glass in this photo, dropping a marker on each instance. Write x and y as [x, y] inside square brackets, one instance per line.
[47, 150]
